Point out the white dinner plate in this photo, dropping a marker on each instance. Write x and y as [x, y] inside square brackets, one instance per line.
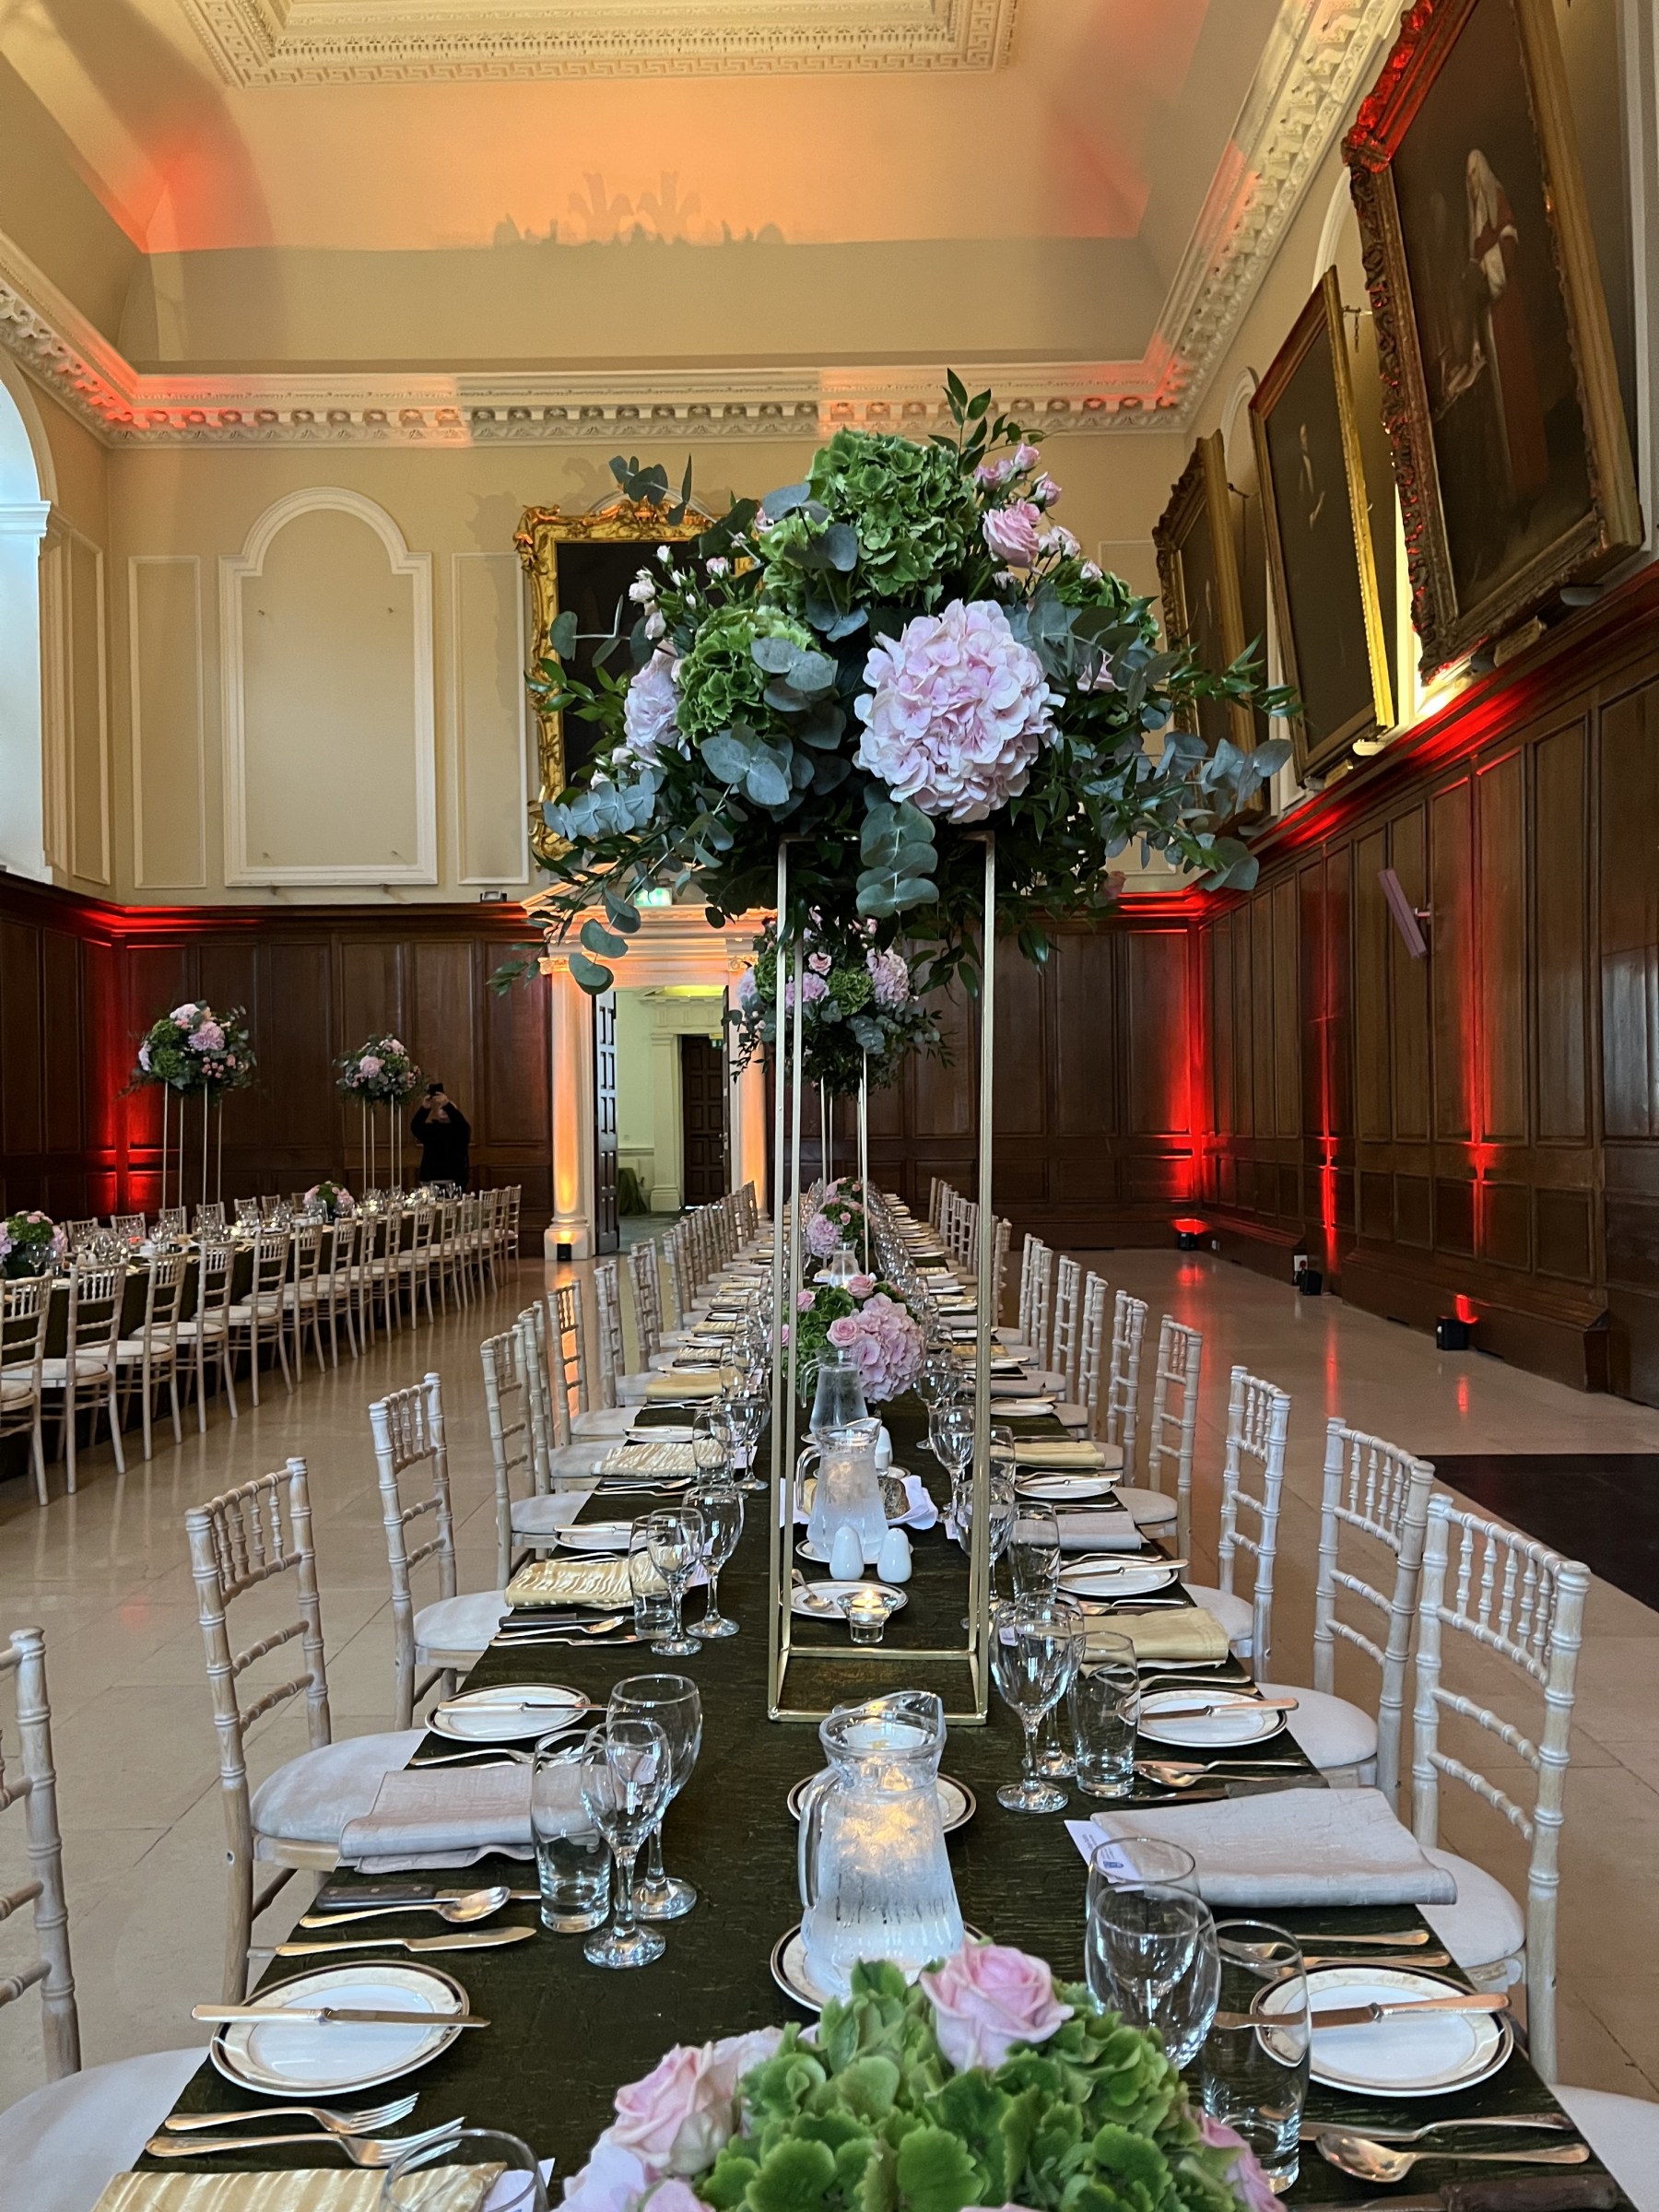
[821, 1601]
[789, 1968]
[598, 1536]
[665, 1433]
[286, 2058]
[487, 1716]
[1427, 2057]
[958, 1803]
[1021, 1409]
[1065, 1489]
[1243, 1722]
[1099, 1577]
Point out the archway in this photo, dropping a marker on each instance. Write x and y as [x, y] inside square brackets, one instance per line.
[25, 485]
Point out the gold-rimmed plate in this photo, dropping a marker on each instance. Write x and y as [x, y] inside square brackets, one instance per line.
[302, 2059]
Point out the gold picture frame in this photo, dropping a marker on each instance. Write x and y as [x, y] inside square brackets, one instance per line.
[1333, 646]
[1199, 581]
[1500, 381]
[541, 532]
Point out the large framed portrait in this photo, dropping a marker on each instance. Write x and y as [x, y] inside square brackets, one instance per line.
[1498, 377]
[1198, 580]
[1333, 646]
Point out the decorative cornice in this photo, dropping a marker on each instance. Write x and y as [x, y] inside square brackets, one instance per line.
[1320, 55]
[451, 42]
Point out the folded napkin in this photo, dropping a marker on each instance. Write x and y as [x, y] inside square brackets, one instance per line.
[449, 1816]
[602, 1582]
[1292, 1847]
[649, 1459]
[443, 2189]
[672, 1384]
[1009, 1382]
[1074, 1454]
[1099, 1528]
[1173, 1632]
[1006, 1406]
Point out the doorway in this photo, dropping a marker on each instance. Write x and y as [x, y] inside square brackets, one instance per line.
[702, 1120]
[606, 1236]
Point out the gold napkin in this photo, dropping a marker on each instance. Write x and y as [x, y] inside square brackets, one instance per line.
[445, 2189]
[1059, 1452]
[573, 1582]
[1179, 1632]
[670, 1385]
[646, 1458]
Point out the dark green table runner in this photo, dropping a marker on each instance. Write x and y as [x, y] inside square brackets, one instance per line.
[566, 2035]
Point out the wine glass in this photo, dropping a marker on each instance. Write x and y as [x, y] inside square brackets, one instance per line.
[748, 1414]
[627, 1779]
[711, 1453]
[672, 1701]
[721, 1504]
[1035, 1550]
[1035, 1646]
[674, 1539]
[1152, 1956]
[1001, 1519]
[950, 1435]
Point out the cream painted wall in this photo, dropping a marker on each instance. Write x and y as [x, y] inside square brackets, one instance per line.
[649, 1127]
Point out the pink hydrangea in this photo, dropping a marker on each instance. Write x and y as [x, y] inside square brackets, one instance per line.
[957, 711]
[889, 977]
[1014, 533]
[648, 711]
[886, 1346]
[822, 1236]
[210, 1038]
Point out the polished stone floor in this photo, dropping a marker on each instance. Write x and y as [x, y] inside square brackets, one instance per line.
[106, 1574]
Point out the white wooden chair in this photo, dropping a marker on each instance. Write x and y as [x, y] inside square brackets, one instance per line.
[529, 1513]
[150, 1360]
[294, 1819]
[204, 1337]
[1171, 1436]
[169, 1222]
[336, 1276]
[1623, 2132]
[453, 1632]
[1065, 1338]
[300, 1293]
[25, 1308]
[1524, 1604]
[128, 1225]
[575, 1413]
[412, 1264]
[1029, 1334]
[86, 1375]
[1106, 1406]
[1258, 1419]
[515, 1195]
[62, 2144]
[260, 1320]
[210, 1216]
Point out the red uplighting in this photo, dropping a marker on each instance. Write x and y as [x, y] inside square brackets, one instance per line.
[1465, 1308]
[1189, 1226]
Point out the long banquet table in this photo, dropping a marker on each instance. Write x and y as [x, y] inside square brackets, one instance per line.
[565, 2035]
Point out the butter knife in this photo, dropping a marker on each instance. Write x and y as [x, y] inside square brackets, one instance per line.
[465, 1939]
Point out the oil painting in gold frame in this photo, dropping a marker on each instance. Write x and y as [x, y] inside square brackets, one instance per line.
[1198, 580]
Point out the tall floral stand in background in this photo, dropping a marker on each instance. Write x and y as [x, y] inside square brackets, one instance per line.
[380, 1072]
[195, 1052]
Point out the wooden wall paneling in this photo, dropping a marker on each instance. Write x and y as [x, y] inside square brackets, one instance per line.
[1450, 961]
[442, 1031]
[1627, 780]
[104, 1070]
[1339, 924]
[1020, 1081]
[62, 1042]
[1263, 1007]
[514, 1098]
[1559, 868]
[1373, 1108]
[1408, 984]
[1156, 1027]
[1501, 1020]
[1286, 1042]
[372, 997]
[22, 1094]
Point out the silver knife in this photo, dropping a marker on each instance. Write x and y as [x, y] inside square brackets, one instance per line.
[335, 2016]
[467, 1939]
[1366, 2016]
[403, 1893]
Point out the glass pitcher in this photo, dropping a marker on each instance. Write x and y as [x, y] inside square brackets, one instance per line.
[838, 1396]
[848, 1487]
[876, 1880]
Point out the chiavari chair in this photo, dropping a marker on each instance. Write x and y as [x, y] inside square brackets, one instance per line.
[260, 1320]
[510, 1233]
[413, 1262]
[75, 1233]
[205, 1337]
[1066, 1342]
[172, 1222]
[210, 1215]
[128, 1225]
[1171, 1436]
[337, 1274]
[1258, 1419]
[85, 1376]
[575, 1414]
[240, 1543]
[528, 1512]
[25, 1308]
[299, 1292]
[151, 1359]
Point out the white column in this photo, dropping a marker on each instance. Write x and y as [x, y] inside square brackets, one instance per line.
[22, 755]
[667, 1189]
[572, 1094]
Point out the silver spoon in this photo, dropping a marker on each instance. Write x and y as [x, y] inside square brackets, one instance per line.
[496, 1755]
[1181, 1774]
[1369, 2160]
[477, 1904]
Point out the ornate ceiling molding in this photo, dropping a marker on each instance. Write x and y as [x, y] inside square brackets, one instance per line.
[1322, 53]
[451, 42]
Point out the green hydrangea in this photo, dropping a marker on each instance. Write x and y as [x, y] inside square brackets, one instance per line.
[720, 682]
[915, 512]
[850, 988]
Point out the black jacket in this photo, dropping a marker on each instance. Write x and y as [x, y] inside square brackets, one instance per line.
[444, 1146]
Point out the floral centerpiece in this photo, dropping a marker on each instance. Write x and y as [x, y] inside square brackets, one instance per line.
[838, 1218]
[193, 1048]
[987, 2084]
[29, 1243]
[379, 1069]
[877, 663]
[333, 1199]
[870, 1321]
[863, 1009]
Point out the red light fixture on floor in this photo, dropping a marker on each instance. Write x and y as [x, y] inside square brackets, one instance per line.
[1189, 1234]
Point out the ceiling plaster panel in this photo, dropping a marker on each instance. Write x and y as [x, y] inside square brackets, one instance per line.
[426, 41]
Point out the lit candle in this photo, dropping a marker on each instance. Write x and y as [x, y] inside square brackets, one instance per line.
[867, 1615]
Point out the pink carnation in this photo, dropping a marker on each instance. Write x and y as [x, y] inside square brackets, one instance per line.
[989, 1997]
[957, 711]
[1014, 533]
[648, 710]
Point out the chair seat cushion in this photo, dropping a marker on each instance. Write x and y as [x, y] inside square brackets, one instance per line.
[1486, 1929]
[86, 1364]
[269, 1302]
[630, 1389]
[604, 1420]
[310, 1799]
[209, 1325]
[1623, 2132]
[1235, 1614]
[131, 1348]
[17, 1390]
[458, 1628]
[62, 2144]
[1332, 1733]
[544, 1516]
[1147, 1508]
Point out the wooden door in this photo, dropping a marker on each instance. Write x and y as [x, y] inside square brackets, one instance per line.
[606, 1235]
[703, 1121]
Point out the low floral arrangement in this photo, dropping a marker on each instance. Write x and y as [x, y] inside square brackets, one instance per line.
[29, 1243]
[877, 663]
[863, 1007]
[336, 1201]
[868, 1321]
[838, 1219]
[379, 1069]
[194, 1049]
[987, 2084]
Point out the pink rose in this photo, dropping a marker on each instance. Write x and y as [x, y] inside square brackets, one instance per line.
[369, 1064]
[1013, 533]
[684, 2113]
[1025, 456]
[860, 1285]
[1244, 2174]
[184, 1016]
[803, 1301]
[819, 962]
[1045, 492]
[612, 2181]
[993, 473]
[842, 1332]
[989, 1997]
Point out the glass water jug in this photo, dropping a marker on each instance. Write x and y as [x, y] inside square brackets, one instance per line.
[848, 1488]
[876, 1879]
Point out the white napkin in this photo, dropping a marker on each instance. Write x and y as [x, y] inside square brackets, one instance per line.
[1292, 1847]
[1099, 1528]
[920, 1510]
[449, 1816]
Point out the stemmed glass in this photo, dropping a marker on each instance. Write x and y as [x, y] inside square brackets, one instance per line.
[710, 1451]
[1035, 1550]
[1152, 1956]
[721, 1504]
[672, 1701]
[1036, 1643]
[674, 1539]
[950, 1435]
[627, 1780]
[1003, 1514]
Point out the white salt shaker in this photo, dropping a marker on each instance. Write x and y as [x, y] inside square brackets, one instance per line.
[893, 1560]
[846, 1554]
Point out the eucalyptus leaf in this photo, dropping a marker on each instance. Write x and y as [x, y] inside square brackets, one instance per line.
[727, 756]
[592, 977]
[605, 942]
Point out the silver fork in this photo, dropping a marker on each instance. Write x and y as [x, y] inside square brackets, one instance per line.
[367, 2121]
[362, 2150]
